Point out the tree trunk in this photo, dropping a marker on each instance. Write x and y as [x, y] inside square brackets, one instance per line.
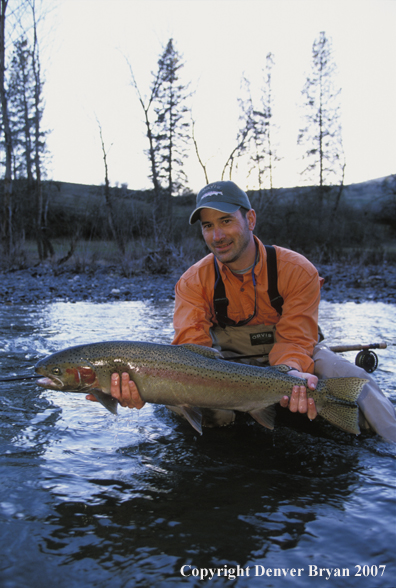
[6, 222]
[44, 246]
[117, 235]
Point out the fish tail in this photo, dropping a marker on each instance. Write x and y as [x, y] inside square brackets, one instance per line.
[339, 407]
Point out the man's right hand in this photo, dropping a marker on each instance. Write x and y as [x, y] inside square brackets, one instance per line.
[300, 400]
[125, 392]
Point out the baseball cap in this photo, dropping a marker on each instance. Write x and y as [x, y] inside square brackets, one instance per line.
[223, 196]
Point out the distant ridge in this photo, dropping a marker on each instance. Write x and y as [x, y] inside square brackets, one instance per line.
[370, 195]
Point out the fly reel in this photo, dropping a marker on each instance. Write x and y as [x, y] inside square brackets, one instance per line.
[368, 360]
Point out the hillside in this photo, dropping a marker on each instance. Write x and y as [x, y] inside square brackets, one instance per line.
[69, 197]
[78, 225]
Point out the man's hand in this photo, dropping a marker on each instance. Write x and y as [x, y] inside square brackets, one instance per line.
[298, 400]
[125, 392]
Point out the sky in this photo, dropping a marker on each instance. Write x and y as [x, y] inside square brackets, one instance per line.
[87, 80]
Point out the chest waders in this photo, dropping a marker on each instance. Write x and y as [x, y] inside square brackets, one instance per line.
[241, 338]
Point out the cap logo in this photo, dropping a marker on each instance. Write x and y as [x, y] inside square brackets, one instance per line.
[211, 194]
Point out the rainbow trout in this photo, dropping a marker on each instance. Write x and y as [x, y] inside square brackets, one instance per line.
[191, 377]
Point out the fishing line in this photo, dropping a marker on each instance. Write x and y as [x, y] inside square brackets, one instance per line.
[21, 377]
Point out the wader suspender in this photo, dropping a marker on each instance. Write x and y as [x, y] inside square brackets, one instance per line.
[272, 272]
[220, 301]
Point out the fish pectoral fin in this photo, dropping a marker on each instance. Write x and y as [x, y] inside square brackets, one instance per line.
[106, 400]
[265, 416]
[193, 415]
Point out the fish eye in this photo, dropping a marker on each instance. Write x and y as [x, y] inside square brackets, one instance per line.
[56, 371]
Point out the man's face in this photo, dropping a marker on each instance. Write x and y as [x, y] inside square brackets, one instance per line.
[228, 235]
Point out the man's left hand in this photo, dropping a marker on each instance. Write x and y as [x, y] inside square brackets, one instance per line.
[298, 400]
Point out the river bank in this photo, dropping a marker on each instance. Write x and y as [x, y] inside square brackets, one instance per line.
[343, 282]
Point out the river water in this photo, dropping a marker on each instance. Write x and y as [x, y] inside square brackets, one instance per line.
[88, 499]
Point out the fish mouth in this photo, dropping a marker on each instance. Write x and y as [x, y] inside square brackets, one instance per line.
[51, 383]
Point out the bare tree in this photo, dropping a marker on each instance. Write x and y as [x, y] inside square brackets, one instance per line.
[172, 124]
[266, 116]
[22, 110]
[201, 163]
[321, 135]
[254, 144]
[235, 153]
[6, 222]
[146, 105]
[168, 131]
[21, 96]
[117, 234]
[43, 243]
[255, 137]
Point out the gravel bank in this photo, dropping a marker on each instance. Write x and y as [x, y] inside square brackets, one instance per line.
[40, 285]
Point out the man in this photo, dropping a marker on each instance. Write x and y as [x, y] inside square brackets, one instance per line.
[234, 300]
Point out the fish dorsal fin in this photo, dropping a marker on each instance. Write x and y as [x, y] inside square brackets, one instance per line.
[105, 399]
[265, 416]
[209, 352]
[193, 415]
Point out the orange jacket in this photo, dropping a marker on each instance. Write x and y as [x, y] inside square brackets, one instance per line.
[298, 283]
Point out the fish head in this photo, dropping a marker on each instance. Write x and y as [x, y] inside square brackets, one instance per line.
[59, 373]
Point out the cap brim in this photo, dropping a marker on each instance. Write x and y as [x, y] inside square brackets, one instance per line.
[220, 206]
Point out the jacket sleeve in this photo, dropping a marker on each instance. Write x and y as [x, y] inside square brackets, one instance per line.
[297, 329]
[192, 315]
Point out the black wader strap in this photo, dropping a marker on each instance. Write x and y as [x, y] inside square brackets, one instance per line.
[272, 270]
[220, 300]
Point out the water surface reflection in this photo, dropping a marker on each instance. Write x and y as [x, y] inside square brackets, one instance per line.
[89, 499]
